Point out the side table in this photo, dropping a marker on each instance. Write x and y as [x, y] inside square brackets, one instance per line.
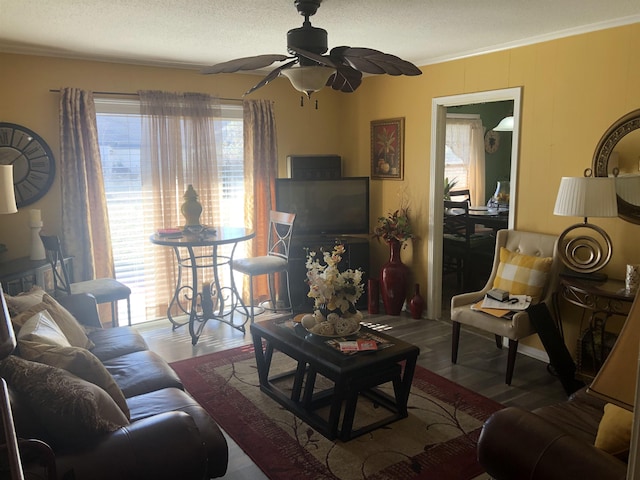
[20, 274]
[600, 300]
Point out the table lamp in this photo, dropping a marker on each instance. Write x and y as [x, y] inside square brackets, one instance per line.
[585, 197]
[7, 195]
[616, 380]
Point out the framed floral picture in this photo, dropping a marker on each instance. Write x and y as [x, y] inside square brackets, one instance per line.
[387, 149]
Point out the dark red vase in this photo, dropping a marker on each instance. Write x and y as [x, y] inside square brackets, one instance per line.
[416, 304]
[394, 276]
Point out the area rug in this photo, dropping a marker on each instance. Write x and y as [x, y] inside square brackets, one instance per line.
[437, 440]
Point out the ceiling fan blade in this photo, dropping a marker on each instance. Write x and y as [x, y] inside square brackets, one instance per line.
[246, 63]
[273, 74]
[320, 59]
[345, 79]
[368, 60]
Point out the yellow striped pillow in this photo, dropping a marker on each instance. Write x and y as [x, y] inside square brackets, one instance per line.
[521, 274]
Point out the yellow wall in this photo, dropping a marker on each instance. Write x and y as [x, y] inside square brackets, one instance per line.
[573, 89]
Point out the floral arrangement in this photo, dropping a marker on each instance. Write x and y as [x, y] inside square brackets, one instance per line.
[331, 289]
[395, 226]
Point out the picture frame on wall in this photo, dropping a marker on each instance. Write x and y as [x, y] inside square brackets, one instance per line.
[387, 149]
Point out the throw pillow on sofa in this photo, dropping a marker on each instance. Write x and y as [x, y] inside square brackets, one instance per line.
[78, 361]
[72, 411]
[19, 303]
[68, 324]
[71, 328]
[521, 274]
[42, 329]
[614, 431]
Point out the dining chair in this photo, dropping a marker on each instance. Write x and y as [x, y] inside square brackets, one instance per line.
[461, 245]
[524, 263]
[463, 195]
[105, 290]
[275, 261]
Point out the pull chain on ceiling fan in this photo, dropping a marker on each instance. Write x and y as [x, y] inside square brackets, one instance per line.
[309, 69]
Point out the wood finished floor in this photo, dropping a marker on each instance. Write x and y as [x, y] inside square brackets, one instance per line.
[481, 366]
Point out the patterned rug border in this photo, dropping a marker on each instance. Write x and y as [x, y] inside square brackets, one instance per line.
[425, 381]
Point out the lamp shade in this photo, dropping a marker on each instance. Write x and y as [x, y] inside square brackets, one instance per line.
[628, 188]
[616, 379]
[505, 125]
[7, 194]
[586, 197]
[308, 79]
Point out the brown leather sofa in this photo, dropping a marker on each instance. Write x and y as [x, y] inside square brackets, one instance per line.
[549, 443]
[169, 435]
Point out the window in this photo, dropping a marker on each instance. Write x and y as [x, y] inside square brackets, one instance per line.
[455, 169]
[464, 154]
[119, 137]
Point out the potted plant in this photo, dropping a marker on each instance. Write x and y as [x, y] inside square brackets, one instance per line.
[395, 229]
[448, 186]
[395, 226]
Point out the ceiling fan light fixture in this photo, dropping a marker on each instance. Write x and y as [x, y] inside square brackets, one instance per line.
[505, 125]
[308, 79]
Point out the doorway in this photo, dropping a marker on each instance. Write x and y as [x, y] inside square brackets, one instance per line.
[439, 108]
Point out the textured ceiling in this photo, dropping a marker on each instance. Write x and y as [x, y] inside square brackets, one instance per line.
[196, 33]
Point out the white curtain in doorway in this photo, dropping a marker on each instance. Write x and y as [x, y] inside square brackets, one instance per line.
[465, 137]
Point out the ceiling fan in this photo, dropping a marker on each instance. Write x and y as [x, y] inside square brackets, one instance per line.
[308, 69]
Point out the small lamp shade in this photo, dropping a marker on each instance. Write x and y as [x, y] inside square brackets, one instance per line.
[7, 194]
[505, 125]
[308, 79]
[586, 197]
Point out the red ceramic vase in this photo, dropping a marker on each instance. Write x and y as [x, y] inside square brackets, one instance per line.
[394, 276]
[416, 304]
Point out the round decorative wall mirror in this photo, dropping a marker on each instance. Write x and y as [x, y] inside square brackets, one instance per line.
[618, 153]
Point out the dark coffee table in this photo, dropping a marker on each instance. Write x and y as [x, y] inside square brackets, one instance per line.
[351, 376]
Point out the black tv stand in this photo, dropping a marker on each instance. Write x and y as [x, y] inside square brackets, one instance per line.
[356, 256]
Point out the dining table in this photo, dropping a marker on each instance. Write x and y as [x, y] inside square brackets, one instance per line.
[494, 218]
[199, 250]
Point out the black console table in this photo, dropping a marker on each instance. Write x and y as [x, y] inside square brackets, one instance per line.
[356, 256]
[20, 274]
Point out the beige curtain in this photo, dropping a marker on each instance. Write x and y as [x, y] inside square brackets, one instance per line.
[85, 223]
[465, 136]
[178, 148]
[261, 170]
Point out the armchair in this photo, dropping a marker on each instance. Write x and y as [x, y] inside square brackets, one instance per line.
[538, 245]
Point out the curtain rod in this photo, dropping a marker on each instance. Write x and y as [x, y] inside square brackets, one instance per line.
[130, 94]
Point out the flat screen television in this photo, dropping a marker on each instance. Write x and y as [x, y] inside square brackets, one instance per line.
[326, 207]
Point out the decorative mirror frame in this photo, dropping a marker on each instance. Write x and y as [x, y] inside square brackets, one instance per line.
[615, 133]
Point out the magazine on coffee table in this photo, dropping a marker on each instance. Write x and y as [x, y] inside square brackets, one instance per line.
[363, 342]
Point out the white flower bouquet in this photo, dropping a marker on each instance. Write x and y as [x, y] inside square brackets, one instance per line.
[333, 290]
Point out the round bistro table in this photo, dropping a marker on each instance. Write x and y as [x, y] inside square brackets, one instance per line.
[198, 250]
